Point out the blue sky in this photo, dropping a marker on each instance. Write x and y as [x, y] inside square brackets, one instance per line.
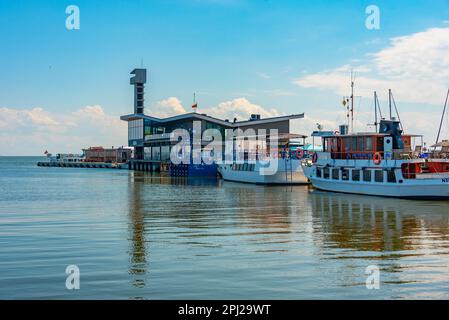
[222, 49]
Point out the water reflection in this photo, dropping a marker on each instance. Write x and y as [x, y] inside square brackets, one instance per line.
[408, 240]
[204, 231]
[377, 224]
[138, 251]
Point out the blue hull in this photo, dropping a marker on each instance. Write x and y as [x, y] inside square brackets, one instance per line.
[193, 170]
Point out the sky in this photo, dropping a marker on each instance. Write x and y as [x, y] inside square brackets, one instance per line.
[62, 90]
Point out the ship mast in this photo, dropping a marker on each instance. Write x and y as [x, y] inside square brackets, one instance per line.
[442, 117]
[375, 111]
[352, 102]
[389, 102]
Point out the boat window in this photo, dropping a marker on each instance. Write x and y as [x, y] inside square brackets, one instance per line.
[355, 175]
[245, 167]
[378, 176]
[360, 146]
[335, 174]
[380, 144]
[347, 142]
[318, 172]
[345, 174]
[367, 175]
[391, 177]
[354, 144]
[369, 144]
[326, 173]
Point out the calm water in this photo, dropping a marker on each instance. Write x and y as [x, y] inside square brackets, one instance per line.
[134, 235]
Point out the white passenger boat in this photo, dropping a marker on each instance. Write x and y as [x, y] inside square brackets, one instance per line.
[289, 172]
[381, 164]
[65, 158]
[284, 167]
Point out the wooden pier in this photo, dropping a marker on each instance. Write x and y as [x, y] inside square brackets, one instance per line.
[102, 165]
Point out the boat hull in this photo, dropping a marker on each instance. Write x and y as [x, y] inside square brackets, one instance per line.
[289, 173]
[425, 189]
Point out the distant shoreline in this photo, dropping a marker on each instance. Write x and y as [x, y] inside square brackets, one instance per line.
[6, 156]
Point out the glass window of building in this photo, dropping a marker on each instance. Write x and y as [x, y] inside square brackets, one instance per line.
[135, 129]
[156, 153]
[165, 153]
[147, 153]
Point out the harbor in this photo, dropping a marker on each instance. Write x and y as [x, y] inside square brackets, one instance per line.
[139, 235]
[387, 162]
[223, 159]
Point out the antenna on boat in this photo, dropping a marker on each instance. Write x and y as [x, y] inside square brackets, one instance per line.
[352, 102]
[442, 117]
[396, 109]
[375, 111]
[389, 101]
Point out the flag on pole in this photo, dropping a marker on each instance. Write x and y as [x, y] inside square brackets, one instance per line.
[195, 104]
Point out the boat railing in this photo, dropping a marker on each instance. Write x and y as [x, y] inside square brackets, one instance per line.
[369, 155]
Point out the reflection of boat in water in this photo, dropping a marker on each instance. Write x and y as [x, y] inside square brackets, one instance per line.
[284, 167]
[378, 224]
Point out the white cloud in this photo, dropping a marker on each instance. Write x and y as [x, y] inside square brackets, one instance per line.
[39, 117]
[166, 108]
[415, 67]
[31, 131]
[240, 108]
[263, 75]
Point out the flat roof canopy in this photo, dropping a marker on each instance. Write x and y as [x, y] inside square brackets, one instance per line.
[282, 136]
[200, 116]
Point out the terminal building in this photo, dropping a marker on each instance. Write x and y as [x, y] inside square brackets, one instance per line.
[150, 136]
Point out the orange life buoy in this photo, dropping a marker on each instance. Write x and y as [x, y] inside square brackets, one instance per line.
[315, 157]
[299, 153]
[377, 158]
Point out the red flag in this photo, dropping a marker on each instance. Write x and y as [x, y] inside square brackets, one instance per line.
[195, 105]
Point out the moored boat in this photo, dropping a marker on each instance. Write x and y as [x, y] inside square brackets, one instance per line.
[383, 163]
[283, 167]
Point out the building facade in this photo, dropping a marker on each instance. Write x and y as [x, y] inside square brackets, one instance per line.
[150, 136]
[108, 155]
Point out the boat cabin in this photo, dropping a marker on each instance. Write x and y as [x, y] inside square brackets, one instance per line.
[389, 143]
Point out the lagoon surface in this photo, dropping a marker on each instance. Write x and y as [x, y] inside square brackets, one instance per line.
[137, 235]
